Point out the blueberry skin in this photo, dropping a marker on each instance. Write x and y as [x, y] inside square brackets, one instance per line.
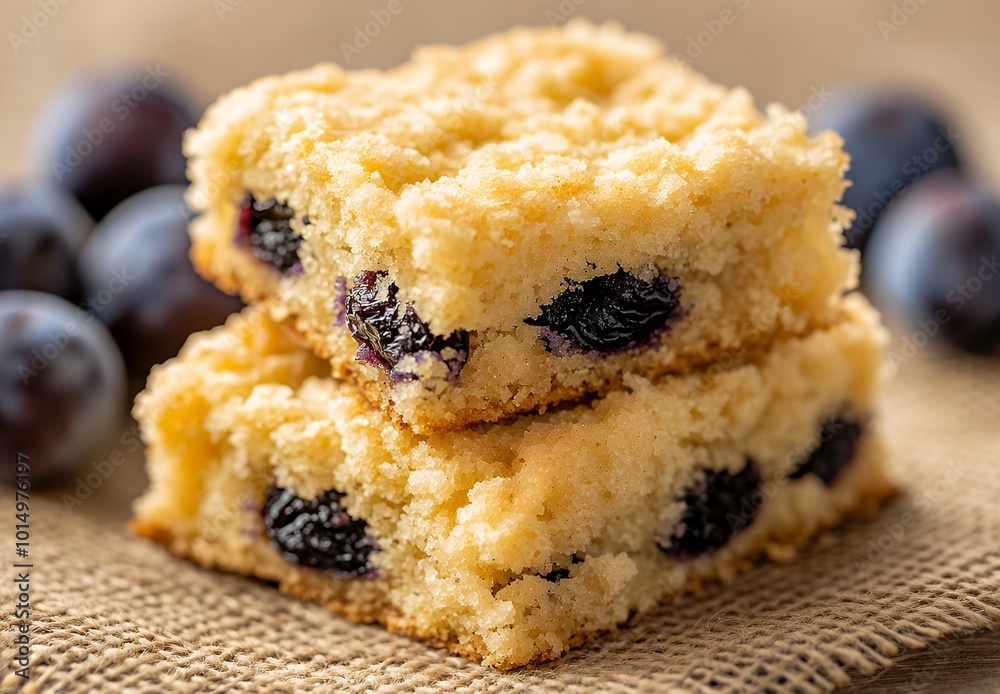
[265, 227]
[716, 508]
[933, 263]
[104, 138]
[41, 231]
[893, 140]
[386, 331]
[139, 280]
[836, 448]
[62, 385]
[318, 533]
[608, 314]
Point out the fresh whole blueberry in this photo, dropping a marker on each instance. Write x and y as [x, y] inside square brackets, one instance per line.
[838, 442]
[386, 330]
[62, 384]
[716, 508]
[893, 140]
[318, 533]
[265, 227]
[41, 231]
[140, 282]
[933, 265]
[610, 313]
[105, 138]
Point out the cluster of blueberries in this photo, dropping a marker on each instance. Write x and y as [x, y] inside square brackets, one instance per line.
[96, 285]
[929, 236]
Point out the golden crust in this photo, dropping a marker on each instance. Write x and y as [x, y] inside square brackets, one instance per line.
[590, 150]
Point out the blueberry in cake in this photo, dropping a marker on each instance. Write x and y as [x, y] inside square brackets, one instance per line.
[532, 218]
[508, 543]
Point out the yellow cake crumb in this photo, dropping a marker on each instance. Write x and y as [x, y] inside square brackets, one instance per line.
[508, 543]
[486, 179]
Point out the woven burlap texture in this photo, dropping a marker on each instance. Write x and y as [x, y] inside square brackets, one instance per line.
[113, 612]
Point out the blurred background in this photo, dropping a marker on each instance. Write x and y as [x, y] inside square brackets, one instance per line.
[98, 93]
[780, 50]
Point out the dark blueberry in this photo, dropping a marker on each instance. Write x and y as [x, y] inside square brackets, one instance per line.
[266, 228]
[838, 442]
[41, 231]
[62, 384]
[140, 282]
[104, 139]
[716, 508]
[386, 330]
[318, 533]
[610, 313]
[935, 264]
[893, 140]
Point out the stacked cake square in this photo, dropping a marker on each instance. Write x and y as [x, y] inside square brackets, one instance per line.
[544, 331]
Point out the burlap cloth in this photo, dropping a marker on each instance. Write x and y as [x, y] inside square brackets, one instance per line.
[113, 612]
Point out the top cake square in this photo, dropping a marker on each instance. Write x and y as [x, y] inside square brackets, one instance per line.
[496, 228]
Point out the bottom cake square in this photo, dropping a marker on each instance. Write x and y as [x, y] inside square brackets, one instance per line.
[508, 543]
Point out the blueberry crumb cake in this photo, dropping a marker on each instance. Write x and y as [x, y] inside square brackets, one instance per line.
[511, 542]
[533, 218]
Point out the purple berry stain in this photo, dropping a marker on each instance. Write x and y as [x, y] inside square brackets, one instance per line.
[608, 314]
[716, 508]
[340, 302]
[387, 331]
[318, 533]
[266, 228]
